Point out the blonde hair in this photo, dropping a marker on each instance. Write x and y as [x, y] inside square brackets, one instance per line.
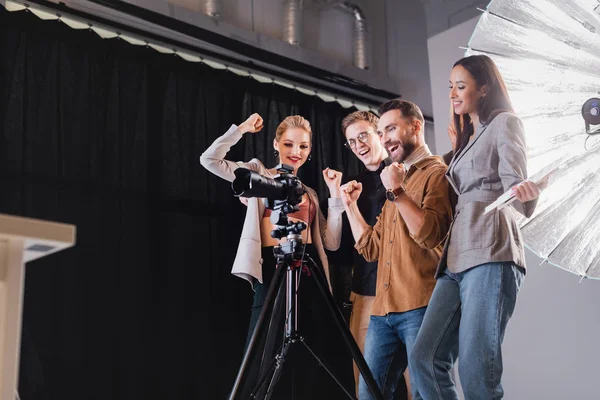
[293, 121]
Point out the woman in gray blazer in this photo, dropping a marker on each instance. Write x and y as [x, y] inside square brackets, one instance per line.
[483, 263]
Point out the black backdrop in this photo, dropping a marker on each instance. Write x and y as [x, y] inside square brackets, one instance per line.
[106, 136]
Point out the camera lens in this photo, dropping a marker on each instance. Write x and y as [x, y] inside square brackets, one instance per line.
[252, 184]
[591, 111]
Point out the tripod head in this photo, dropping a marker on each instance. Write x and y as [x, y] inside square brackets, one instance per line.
[282, 194]
[291, 251]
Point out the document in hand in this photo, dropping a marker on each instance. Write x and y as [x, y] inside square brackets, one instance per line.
[542, 178]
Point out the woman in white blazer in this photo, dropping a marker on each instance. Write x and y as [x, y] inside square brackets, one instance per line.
[483, 263]
[255, 261]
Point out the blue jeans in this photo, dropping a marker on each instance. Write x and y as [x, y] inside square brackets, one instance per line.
[466, 318]
[389, 340]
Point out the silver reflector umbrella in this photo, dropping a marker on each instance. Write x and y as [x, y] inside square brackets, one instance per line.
[548, 52]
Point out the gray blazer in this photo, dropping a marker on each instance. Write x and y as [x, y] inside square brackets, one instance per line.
[493, 162]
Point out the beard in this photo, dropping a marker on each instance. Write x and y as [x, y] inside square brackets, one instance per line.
[406, 150]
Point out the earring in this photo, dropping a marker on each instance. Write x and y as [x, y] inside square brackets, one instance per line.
[309, 157]
[276, 154]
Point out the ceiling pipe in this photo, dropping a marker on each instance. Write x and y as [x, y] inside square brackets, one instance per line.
[212, 8]
[359, 34]
[293, 21]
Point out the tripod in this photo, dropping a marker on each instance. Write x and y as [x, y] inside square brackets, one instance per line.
[290, 264]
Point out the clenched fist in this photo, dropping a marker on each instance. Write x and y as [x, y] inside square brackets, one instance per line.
[393, 175]
[350, 192]
[253, 124]
[333, 179]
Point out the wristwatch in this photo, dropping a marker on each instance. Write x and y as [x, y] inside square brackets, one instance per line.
[392, 194]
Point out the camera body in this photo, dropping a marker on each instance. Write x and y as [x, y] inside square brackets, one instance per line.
[282, 194]
[292, 187]
[284, 188]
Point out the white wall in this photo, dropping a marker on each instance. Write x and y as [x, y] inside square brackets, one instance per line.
[444, 14]
[408, 62]
[444, 51]
[550, 349]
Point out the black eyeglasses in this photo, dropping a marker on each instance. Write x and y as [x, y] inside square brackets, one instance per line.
[362, 137]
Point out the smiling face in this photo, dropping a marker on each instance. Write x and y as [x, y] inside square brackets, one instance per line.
[464, 93]
[293, 147]
[399, 135]
[370, 152]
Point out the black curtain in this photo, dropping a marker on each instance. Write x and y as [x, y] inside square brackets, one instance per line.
[106, 136]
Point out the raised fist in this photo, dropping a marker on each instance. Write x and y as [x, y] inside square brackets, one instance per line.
[253, 124]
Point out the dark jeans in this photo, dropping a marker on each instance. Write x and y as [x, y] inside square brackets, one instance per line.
[389, 339]
[466, 318]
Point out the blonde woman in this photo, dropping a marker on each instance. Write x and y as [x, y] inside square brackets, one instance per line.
[254, 260]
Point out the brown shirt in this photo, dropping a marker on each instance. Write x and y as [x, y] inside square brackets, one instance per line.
[407, 263]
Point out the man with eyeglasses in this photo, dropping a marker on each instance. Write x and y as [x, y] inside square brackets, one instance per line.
[406, 240]
[360, 131]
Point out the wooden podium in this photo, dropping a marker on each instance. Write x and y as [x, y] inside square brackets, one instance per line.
[21, 240]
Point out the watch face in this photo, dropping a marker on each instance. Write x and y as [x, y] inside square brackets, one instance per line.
[390, 195]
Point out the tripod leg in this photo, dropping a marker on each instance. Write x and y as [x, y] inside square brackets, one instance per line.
[279, 362]
[258, 393]
[344, 330]
[316, 357]
[258, 331]
[271, 350]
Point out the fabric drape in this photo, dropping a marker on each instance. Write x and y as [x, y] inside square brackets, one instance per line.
[106, 136]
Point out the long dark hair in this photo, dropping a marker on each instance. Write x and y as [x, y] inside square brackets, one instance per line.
[484, 72]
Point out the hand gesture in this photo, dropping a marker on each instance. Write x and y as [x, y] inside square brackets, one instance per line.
[253, 124]
[393, 175]
[526, 191]
[350, 192]
[333, 179]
